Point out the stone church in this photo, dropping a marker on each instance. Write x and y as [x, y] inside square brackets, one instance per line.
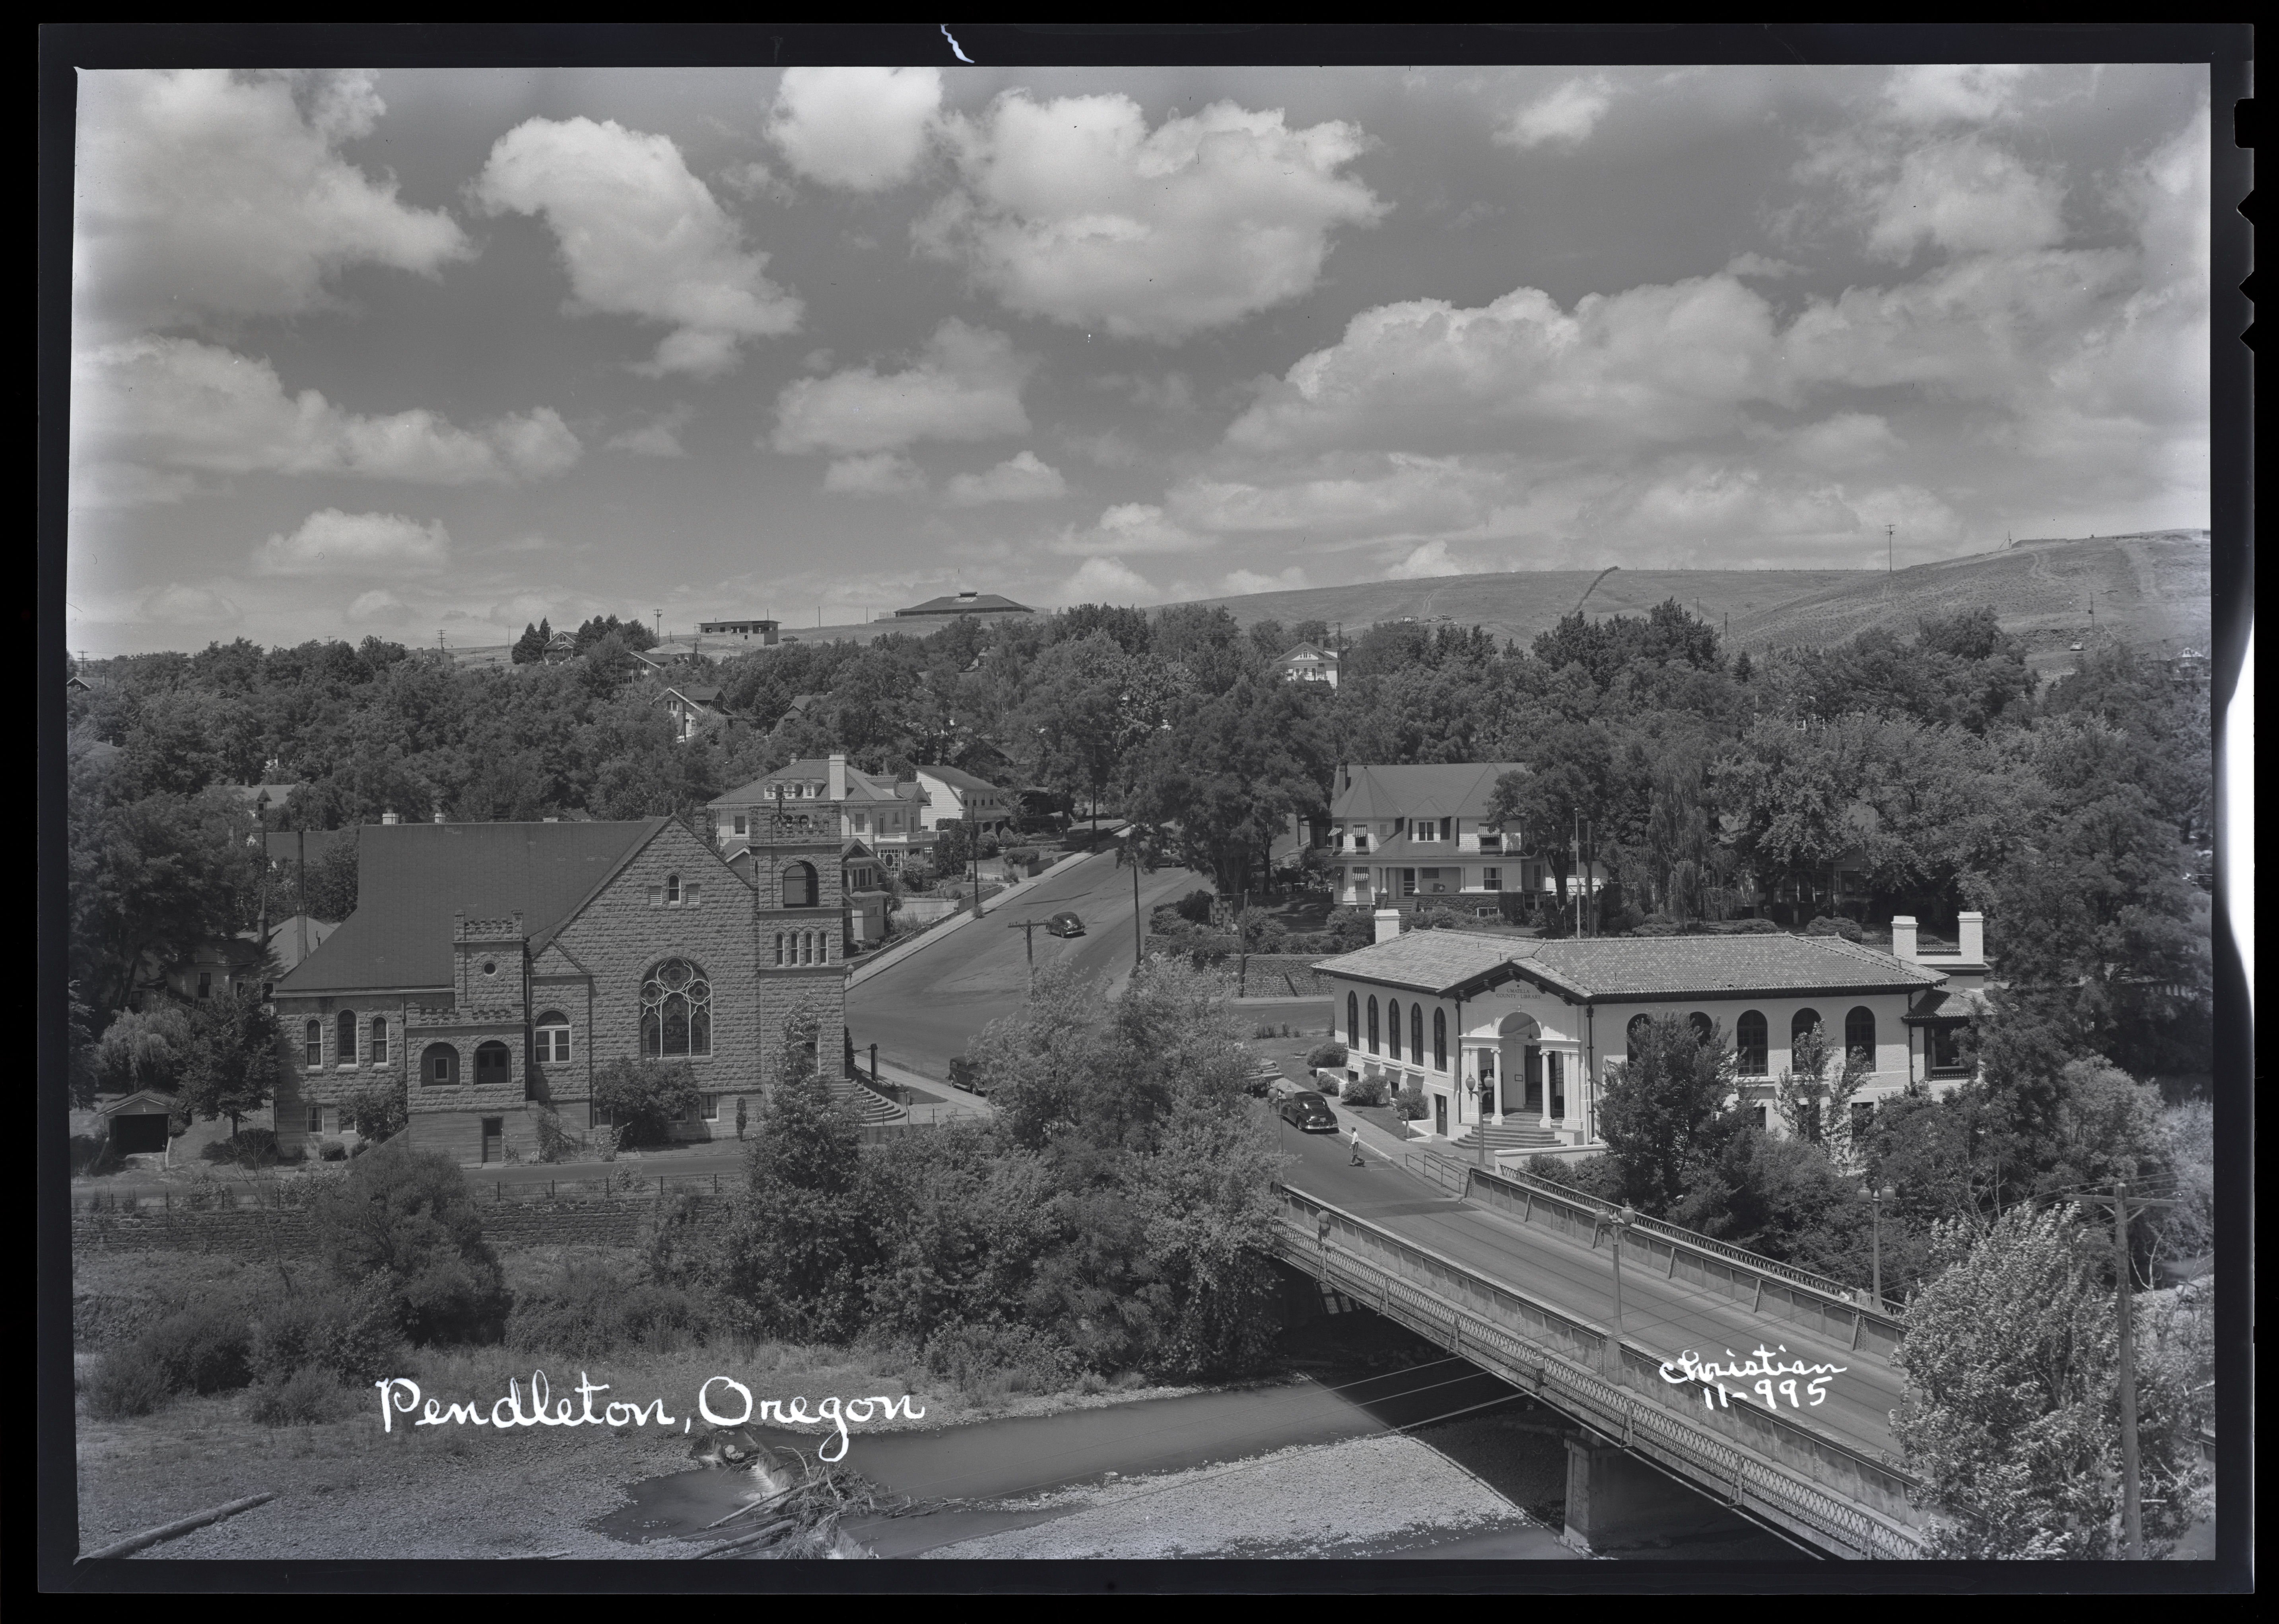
[491, 968]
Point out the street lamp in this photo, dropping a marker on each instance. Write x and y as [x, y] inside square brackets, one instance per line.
[1479, 1122]
[1620, 1219]
[1876, 1199]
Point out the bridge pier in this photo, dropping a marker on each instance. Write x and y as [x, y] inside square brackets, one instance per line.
[1614, 1499]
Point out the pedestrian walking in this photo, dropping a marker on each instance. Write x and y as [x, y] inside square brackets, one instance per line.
[1357, 1146]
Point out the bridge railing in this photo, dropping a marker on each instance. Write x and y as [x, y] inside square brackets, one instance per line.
[1767, 1465]
[1827, 1307]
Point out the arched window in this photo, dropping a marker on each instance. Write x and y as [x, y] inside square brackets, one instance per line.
[799, 885]
[672, 888]
[380, 1040]
[1352, 1020]
[676, 1011]
[554, 1038]
[494, 1064]
[1751, 1043]
[1860, 1034]
[1801, 1026]
[439, 1065]
[344, 1043]
[1439, 1040]
[1635, 1033]
[312, 1040]
[1416, 1033]
[1372, 1023]
[1393, 1020]
[1704, 1027]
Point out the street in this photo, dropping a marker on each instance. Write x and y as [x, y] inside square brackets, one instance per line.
[928, 1007]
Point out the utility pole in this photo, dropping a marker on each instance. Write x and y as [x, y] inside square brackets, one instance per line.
[2133, 1508]
[1620, 1221]
[1891, 569]
[1029, 928]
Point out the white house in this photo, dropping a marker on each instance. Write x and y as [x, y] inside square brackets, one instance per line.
[960, 797]
[1308, 662]
[1508, 1029]
[881, 813]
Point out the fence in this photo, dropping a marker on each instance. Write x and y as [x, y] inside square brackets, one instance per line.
[1827, 1307]
[1764, 1466]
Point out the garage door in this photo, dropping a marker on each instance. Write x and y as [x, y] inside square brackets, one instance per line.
[133, 1134]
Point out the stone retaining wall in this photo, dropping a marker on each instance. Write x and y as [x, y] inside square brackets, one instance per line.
[254, 1232]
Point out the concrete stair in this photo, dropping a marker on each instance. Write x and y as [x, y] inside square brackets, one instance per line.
[1510, 1136]
[876, 1109]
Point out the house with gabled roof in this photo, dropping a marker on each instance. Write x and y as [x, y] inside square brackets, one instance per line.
[490, 970]
[1409, 836]
[962, 797]
[694, 708]
[884, 814]
[1309, 663]
[1514, 1036]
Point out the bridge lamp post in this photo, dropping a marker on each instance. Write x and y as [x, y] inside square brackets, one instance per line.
[1876, 1199]
[1621, 1220]
[1479, 1123]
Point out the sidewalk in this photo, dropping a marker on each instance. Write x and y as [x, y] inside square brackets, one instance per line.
[954, 1102]
[1375, 1140]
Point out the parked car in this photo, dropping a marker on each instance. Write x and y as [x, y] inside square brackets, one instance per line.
[1064, 924]
[1306, 1110]
[962, 1075]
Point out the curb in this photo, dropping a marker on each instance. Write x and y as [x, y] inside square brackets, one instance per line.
[895, 955]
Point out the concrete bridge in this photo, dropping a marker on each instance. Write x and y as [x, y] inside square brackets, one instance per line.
[1517, 1275]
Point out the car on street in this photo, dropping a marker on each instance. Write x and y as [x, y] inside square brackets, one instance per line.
[1064, 924]
[962, 1075]
[1304, 1109]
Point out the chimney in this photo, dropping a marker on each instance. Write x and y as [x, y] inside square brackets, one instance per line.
[1903, 937]
[1388, 923]
[1344, 776]
[389, 817]
[838, 775]
[1972, 929]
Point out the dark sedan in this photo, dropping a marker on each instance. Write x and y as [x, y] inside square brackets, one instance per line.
[1064, 924]
[1308, 1111]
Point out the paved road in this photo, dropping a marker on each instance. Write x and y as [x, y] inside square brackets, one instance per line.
[1666, 1316]
[927, 1009]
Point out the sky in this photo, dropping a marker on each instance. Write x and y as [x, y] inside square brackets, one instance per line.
[438, 352]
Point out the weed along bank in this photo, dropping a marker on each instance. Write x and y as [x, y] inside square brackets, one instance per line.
[1521, 1035]
[490, 970]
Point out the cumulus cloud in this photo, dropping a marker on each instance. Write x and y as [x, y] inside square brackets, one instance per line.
[966, 386]
[661, 438]
[1073, 209]
[640, 236]
[1968, 198]
[1409, 492]
[332, 542]
[1021, 478]
[1848, 441]
[1242, 583]
[1566, 117]
[176, 403]
[863, 129]
[1430, 559]
[1132, 527]
[176, 604]
[1653, 363]
[1106, 580]
[204, 192]
[378, 608]
[1758, 264]
[883, 473]
[1951, 93]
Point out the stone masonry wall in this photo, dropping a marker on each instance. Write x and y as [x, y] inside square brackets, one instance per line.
[613, 1221]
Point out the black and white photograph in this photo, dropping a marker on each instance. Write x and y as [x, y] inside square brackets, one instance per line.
[813, 801]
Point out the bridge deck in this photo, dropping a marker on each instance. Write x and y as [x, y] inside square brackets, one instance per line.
[1668, 1317]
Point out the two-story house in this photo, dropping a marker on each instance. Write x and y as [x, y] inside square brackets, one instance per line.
[694, 708]
[960, 797]
[1505, 1031]
[1308, 662]
[883, 814]
[1405, 837]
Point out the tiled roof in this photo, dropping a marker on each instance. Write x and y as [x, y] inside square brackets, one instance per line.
[412, 877]
[1636, 967]
[808, 770]
[1450, 790]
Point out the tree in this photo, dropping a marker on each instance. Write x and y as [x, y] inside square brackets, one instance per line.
[378, 1110]
[2011, 1417]
[404, 1218]
[643, 1097]
[1666, 1110]
[1814, 1091]
[144, 1048]
[235, 1058]
[954, 850]
[530, 647]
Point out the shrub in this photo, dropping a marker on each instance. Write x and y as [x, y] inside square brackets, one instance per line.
[247, 1147]
[986, 1359]
[1410, 1103]
[347, 1333]
[1829, 924]
[642, 1096]
[331, 1150]
[404, 1216]
[1751, 927]
[1196, 906]
[1368, 1092]
[554, 1142]
[206, 1348]
[1327, 1056]
[121, 1387]
[378, 1110]
[307, 1397]
[595, 1309]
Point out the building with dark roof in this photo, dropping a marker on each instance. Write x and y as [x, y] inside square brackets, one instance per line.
[694, 708]
[1411, 836]
[1507, 1030]
[964, 603]
[886, 815]
[491, 968]
[962, 798]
